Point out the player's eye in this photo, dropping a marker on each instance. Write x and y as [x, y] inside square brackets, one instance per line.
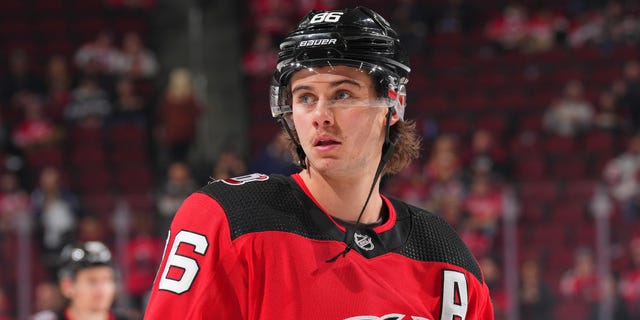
[305, 99]
[342, 95]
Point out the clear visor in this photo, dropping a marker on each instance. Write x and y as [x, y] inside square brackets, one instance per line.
[280, 96]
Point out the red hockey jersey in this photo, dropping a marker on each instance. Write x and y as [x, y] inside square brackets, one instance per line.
[257, 247]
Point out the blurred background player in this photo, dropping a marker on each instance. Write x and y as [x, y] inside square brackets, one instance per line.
[87, 279]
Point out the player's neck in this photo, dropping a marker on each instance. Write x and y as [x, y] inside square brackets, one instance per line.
[344, 197]
[82, 314]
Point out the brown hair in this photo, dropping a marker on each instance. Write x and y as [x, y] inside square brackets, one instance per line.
[406, 150]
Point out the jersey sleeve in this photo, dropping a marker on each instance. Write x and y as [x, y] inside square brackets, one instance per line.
[486, 304]
[189, 283]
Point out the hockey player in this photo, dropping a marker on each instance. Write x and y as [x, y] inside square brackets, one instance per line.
[87, 280]
[323, 243]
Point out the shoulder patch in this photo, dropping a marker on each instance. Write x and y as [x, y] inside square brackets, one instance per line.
[236, 181]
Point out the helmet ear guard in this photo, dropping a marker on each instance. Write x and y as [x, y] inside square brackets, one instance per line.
[398, 99]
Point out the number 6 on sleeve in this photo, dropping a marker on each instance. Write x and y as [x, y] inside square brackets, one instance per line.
[188, 265]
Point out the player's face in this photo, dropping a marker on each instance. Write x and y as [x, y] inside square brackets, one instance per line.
[93, 289]
[339, 121]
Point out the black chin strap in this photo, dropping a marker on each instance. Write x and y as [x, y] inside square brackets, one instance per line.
[387, 150]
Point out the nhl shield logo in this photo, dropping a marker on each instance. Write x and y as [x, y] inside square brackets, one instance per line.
[363, 241]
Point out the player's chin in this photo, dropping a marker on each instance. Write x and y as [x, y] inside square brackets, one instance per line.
[325, 165]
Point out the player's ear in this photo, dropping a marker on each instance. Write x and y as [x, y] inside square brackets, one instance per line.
[395, 117]
[66, 287]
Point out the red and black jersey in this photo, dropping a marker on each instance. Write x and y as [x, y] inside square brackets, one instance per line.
[257, 247]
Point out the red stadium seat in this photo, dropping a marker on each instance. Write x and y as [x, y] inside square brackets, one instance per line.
[454, 124]
[579, 190]
[584, 234]
[548, 235]
[134, 180]
[571, 309]
[531, 168]
[431, 103]
[94, 181]
[570, 167]
[513, 100]
[559, 145]
[475, 102]
[127, 136]
[86, 136]
[544, 191]
[568, 212]
[598, 142]
[495, 123]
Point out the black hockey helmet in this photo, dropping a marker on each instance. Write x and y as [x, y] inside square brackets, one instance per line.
[357, 37]
[80, 256]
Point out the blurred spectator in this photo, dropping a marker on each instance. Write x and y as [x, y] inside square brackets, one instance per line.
[615, 24]
[260, 60]
[545, 29]
[508, 31]
[451, 210]
[20, 76]
[588, 29]
[408, 19]
[275, 157]
[59, 81]
[99, 56]
[128, 105]
[47, 297]
[485, 155]
[91, 228]
[14, 201]
[178, 115]
[178, 186]
[408, 185]
[630, 281]
[90, 104]
[571, 113]
[581, 280]
[56, 210]
[135, 61]
[455, 16]
[478, 242]
[484, 205]
[229, 164]
[616, 28]
[35, 130]
[629, 92]
[493, 278]
[143, 257]
[442, 172]
[536, 298]
[621, 175]
[607, 117]
[272, 16]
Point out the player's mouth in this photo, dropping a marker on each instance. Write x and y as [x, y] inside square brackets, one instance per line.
[325, 143]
